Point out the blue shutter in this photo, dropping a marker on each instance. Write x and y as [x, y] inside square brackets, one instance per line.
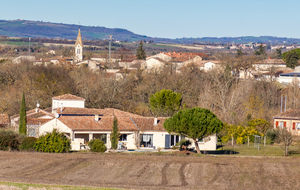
[167, 141]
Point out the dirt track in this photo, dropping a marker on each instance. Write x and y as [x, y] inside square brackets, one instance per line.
[151, 172]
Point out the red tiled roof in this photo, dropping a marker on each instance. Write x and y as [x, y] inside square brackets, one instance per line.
[84, 119]
[4, 119]
[37, 121]
[33, 114]
[289, 114]
[89, 123]
[67, 97]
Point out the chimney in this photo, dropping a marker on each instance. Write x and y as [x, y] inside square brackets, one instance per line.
[155, 121]
[96, 117]
[37, 107]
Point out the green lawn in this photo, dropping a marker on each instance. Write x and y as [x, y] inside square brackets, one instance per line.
[268, 150]
[25, 186]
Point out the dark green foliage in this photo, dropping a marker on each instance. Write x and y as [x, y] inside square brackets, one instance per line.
[239, 53]
[278, 53]
[28, 143]
[53, 142]
[115, 134]
[97, 145]
[9, 140]
[23, 120]
[271, 135]
[261, 50]
[165, 103]
[291, 58]
[184, 142]
[140, 52]
[194, 123]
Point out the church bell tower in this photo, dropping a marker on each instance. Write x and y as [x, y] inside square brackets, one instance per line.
[78, 48]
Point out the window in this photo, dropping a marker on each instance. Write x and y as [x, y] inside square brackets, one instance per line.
[147, 140]
[298, 126]
[281, 124]
[123, 137]
[32, 132]
[174, 139]
[102, 137]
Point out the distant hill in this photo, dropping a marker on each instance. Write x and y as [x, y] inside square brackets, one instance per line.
[39, 29]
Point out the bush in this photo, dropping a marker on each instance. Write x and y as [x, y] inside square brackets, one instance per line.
[184, 142]
[53, 142]
[272, 135]
[9, 140]
[97, 145]
[28, 143]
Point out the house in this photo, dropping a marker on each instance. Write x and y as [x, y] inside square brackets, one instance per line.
[289, 120]
[153, 64]
[35, 118]
[82, 124]
[208, 65]
[267, 64]
[23, 58]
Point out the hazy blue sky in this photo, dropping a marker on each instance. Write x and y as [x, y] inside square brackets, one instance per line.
[167, 18]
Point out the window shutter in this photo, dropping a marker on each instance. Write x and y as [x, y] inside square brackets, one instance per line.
[276, 124]
[284, 124]
[294, 125]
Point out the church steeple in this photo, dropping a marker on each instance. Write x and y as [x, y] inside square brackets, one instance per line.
[78, 48]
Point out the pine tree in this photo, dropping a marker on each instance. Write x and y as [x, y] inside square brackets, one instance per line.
[115, 134]
[23, 119]
[140, 52]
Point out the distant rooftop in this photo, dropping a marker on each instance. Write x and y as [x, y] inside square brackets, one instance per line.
[67, 97]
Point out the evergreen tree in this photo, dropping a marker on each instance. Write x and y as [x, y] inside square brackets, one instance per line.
[239, 53]
[278, 53]
[23, 119]
[261, 50]
[140, 52]
[114, 137]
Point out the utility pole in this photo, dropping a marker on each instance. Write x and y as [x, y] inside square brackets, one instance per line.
[110, 51]
[29, 46]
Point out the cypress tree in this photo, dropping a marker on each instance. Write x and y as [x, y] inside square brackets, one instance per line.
[115, 134]
[140, 52]
[23, 119]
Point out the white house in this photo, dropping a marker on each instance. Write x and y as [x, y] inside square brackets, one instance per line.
[84, 124]
[67, 100]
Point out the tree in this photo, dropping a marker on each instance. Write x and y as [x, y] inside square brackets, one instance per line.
[115, 134]
[285, 137]
[239, 53]
[261, 50]
[23, 119]
[140, 52]
[261, 126]
[165, 102]
[194, 123]
[278, 53]
[291, 59]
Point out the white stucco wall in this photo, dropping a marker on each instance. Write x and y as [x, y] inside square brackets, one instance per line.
[54, 124]
[209, 143]
[284, 79]
[158, 138]
[67, 103]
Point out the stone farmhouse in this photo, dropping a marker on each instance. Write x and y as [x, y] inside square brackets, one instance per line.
[69, 116]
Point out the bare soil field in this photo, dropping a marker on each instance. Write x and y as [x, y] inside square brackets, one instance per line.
[131, 171]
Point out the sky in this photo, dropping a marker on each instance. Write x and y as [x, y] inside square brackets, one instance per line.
[167, 18]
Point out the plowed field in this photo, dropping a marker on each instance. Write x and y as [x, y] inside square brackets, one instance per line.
[151, 172]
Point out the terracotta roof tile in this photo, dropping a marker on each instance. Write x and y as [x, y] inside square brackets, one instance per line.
[289, 114]
[84, 119]
[67, 97]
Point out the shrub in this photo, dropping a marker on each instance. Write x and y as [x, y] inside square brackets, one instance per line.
[184, 142]
[97, 145]
[272, 135]
[53, 142]
[28, 143]
[9, 140]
